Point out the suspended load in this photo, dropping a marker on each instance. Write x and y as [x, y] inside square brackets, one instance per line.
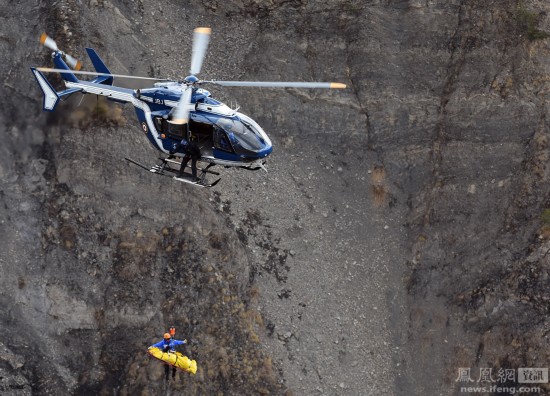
[175, 359]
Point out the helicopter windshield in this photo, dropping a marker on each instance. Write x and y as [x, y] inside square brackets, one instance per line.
[209, 105]
[211, 101]
[243, 137]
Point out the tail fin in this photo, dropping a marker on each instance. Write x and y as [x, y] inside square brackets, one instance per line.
[100, 68]
[51, 96]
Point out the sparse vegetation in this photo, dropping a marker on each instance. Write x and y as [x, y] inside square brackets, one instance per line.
[545, 229]
[206, 304]
[353, 7]
[545, 217]
[528, 20]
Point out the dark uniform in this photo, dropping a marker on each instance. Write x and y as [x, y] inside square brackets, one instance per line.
[192, 152]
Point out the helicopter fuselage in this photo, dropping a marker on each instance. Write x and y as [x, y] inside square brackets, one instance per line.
[224, 136]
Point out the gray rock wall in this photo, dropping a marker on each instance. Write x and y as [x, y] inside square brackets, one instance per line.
[400, 234]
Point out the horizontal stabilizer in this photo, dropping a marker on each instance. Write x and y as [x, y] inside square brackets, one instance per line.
[50, 95]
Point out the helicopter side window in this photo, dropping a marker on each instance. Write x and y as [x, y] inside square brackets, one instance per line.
[158, 123]
[221, 141]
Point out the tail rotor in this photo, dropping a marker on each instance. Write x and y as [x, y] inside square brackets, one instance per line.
[48, 42]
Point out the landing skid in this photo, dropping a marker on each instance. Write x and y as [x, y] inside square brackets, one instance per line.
[165, 168]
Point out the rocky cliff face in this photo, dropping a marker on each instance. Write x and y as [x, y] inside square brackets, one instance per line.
[478, 261]
[401, 233]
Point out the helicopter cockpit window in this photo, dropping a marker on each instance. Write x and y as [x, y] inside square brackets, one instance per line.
[242, 136]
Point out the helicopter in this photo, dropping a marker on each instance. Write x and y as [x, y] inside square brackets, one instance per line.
[172, 111]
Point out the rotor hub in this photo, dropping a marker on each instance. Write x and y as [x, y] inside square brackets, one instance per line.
[190, 80]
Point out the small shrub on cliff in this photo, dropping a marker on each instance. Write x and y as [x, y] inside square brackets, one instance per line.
[527, 20]
[545, 229]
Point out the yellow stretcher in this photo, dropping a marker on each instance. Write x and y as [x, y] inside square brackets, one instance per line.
[175, 359]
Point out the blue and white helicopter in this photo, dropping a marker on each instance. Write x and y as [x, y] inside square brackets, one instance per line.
[175, 110]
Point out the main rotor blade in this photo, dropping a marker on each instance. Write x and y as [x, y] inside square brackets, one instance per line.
[273, 84]
[201, 37]
[87, 73]
[181, 111]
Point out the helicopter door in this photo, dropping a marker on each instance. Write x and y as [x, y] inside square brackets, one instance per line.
[221, 141]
